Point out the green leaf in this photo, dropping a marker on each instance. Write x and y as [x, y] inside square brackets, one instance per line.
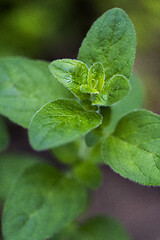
[26, 85]
[11, 166]
[69, 233]
[4, 137]
[78, 151]
[96, 76]
[133, 150]
[95, 79]
[88, 174]
[134, 100]
[41, 203]
[88, 89]
[72, 73]
[68, 153]
[96, 228]
[59, 122]
[92, 138]
[115, 89]
[100, 228]
[112, 42]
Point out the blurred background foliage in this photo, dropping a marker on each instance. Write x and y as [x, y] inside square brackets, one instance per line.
[54, 29]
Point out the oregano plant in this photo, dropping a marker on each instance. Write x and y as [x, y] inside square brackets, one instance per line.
[85, 111]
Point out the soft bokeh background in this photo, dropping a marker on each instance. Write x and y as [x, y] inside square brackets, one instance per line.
[53, 29]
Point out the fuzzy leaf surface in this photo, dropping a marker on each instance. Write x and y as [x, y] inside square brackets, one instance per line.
[133, 150]
[115, 89]
[41, 203]
[96, 76]
[59, 122]
[4, 137]
[71, 73]
[25, 86]
[112, 42]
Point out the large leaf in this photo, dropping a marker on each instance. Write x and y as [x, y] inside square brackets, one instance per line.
[41, 203]
[97, 228]
[25, 86]
[59, 122]
[11, 166]
[112, 42]
[72, 73]
[4, 137]
[133, 150]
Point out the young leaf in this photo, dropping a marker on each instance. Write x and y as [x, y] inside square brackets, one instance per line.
[59, 122]
[96, 76]
[26, 85]
[112, 42]
[115, 89]
[4, 138]
[72, 73]
[96, 228]
[87, 89]
[88, 174]
[133, 150]
[41, 203]
[11, 166]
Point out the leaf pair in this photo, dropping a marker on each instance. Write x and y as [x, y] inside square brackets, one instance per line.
[83, 81]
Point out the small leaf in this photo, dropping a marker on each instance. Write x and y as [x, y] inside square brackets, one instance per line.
[41, 203]
[111, 41]
[134, 148]
[115, 89]
[59, 122]
[101, 227]
[88, 174]
[26, 85]
[96, 77]
[11, 166]
[4, 137]
[72, 73]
